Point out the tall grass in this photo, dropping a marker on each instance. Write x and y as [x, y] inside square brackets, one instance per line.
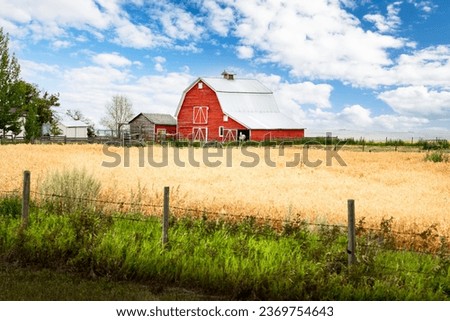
[70, 190]
[240, 260]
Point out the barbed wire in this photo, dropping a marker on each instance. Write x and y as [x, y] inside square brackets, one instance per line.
[385, 231]
[122, 203]
[10, 192]
[220, 214]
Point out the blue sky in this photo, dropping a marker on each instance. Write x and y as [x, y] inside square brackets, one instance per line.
[355, 67]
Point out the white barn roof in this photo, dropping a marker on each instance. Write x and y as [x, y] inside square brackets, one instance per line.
[248, 102]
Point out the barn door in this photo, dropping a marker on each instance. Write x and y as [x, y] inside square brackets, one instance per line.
[200, 133]
[200, 115]
[229, 135]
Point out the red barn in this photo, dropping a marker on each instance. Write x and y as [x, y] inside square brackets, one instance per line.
[229, 109]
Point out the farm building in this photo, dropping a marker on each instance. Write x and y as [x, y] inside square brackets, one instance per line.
[151, 127]
[229, 109]
[73, 129]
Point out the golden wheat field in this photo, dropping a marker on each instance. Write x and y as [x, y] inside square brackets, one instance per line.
[402, 185]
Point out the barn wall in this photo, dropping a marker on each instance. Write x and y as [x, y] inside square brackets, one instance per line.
[203, 97]
[142, 128]
[258, 135]
[171, 131]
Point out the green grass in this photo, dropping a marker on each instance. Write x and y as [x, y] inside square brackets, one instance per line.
[33, 284]
[236, 260]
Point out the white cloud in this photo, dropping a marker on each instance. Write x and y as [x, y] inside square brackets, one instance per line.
[91, 87]
[137, 36]
[178, 23]
[400, 122]
[159, 63]
[51, 20]
[426, 67]
[357, 118]
[356, 115]
[426, 6]
[389, 23]
[244, 52]
[32, 70]
[306, 93]
[111, 59]
[61, 44]
[219, 18]
[418, 100]
[318, 40]
[55, 12]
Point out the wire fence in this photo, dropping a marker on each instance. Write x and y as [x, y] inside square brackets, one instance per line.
[370, 239]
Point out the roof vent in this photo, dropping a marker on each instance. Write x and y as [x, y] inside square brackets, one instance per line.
[227, 75]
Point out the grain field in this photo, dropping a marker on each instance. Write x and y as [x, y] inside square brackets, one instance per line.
[255, 181]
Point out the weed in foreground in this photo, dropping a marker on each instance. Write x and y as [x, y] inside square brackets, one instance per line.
[10, 206]
[70, 191]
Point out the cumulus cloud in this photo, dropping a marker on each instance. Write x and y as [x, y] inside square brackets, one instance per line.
[418, 100]
[99, 83]
[306, 93]
[319, 40]
[137, 36]
[387, 23]
[159, 63]
[426, 6]
[33, 70]
[426, 67]
[111, 59]
[244, 52]
[61, 44]
[356, 115]
[178, 23]
[219, 18]
[359, 118]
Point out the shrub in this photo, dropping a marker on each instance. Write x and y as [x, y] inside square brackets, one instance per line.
[435, 144]
[437, 157]
[70, 191]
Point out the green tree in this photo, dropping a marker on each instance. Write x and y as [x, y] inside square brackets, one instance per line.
[32, 126]
[9, 77]
[18, 97]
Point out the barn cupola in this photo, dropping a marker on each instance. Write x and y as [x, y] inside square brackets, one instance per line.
[228, 76]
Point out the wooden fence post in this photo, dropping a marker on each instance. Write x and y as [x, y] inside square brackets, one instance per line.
[165, 222]
[26, 198]
[351, 249]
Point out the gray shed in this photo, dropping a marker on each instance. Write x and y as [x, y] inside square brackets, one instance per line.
[151, 127]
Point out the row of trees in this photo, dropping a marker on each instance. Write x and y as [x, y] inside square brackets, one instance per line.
[21, 104]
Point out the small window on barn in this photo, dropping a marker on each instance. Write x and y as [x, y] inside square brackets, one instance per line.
[225, 117]
[221, 130]
[200, 85]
